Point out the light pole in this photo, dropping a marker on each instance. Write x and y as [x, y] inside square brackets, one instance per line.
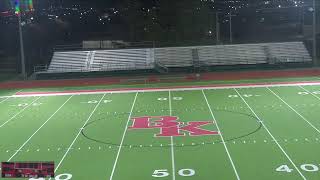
[22, 58]
[314, 34]
[230, 27]
[23, 66]
[217, 28]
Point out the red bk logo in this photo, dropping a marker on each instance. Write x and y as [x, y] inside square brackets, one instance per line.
[169, 126]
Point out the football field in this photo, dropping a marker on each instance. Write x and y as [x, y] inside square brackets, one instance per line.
[248, 132]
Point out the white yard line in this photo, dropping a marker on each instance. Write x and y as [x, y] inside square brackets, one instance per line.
[294, 110]
[172, 147]
[274, 139]
[74, 140]
[310, 92]
[179, 88]
[123, 135]
[17, 151]
[19, 112]
[222, 139]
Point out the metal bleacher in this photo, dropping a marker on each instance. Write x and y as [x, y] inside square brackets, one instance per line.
[129, 59]
[289, 52]
[170, 57]
[70, 61]
[174, 56]
[232, 54]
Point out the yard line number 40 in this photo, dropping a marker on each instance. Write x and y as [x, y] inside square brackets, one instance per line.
[304, 167]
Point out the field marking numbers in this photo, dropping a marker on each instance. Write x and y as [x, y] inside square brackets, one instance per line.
[306, 92]
[159, 173]
[294, 110]
[27, 104]
[171, 140]
[58, 177]
[95, 101]
[244, 95]
[38, 129]
[222, 139]
[309, 167]
[74, 140]
[123, 135]
[312, 93]
[173, 98]
[284, 168]
[19, 112]
[274, 139]
[305, 167]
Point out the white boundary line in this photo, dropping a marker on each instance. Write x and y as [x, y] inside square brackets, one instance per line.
[172, 147]
[274, 139]
[160, 89]
[17, 151]
[224, 143]
[74, 140]
[123, 135]
[294, 110]
[19, 112]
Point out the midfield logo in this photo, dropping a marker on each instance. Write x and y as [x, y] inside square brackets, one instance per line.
[169, 126]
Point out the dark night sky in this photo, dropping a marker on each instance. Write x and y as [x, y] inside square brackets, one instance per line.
[4, 5]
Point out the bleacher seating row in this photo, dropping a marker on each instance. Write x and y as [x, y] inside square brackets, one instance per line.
[289, 52]
[232, 54]
[174, 56]
[69, 61]
[131, 59]
[121, 59]
[102, 60]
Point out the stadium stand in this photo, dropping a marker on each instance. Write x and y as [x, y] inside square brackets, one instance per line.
[232, 54]
[174, 56]
[125, 59]
[254, 53]
[69, 61]
[288, 52]
[171, 57]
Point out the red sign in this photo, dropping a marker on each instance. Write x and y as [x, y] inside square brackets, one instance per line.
[27, 169]
[169, 126]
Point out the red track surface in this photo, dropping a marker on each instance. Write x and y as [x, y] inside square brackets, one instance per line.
[189, 77]
[163, 88]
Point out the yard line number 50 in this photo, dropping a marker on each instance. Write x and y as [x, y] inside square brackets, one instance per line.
[159, 173]
[59, 177]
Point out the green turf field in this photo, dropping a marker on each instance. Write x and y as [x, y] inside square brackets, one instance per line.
[248, 133]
